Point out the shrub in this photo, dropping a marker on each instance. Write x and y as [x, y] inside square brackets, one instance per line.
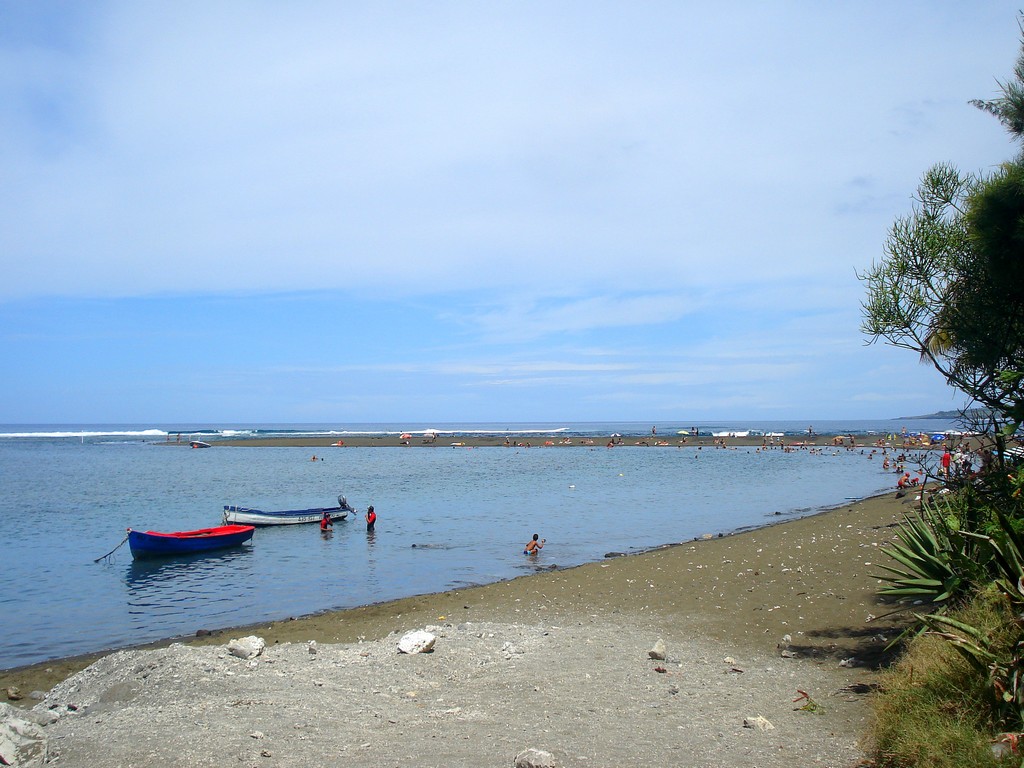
[936, 710]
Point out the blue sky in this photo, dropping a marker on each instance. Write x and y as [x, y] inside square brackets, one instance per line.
[572, 211]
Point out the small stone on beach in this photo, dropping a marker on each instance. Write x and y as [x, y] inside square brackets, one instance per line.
[658, 651]
[760, 722]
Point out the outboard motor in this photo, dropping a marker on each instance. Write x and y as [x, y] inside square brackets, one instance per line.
[343, 502]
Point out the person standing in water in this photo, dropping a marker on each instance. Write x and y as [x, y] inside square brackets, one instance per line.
[325, 523]
[533, 546]
[371, 518]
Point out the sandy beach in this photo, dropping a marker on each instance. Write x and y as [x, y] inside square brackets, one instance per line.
[557, 661]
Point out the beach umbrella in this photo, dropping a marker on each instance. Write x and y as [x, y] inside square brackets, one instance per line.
[938, 437]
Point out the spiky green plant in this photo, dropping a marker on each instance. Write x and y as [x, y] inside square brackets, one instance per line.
[936, 563]
[996, 655]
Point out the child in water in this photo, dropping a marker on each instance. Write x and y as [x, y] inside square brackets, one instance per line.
[533, 546]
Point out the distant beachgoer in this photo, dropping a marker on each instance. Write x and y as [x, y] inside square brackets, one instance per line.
[534, 545]
[947, 458]
[654, 431]
[325, 523]
[963, 460]
[987, 460]
[371, 518]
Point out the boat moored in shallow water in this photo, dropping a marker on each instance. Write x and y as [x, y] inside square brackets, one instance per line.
[250, 516]
[156, 544]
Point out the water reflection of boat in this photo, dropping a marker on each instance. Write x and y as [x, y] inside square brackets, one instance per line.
[156, 544]
[171, 596]
[190, 574]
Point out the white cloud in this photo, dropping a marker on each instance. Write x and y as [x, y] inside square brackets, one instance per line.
[413, 150]
[522, 319]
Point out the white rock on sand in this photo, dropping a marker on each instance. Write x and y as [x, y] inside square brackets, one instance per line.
[246, 647]
[418, 641]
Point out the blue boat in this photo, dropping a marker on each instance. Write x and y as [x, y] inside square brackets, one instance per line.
[156, 544]
[249, 516]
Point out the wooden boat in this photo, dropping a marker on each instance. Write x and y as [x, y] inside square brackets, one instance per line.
[156, 544]
[250, 516]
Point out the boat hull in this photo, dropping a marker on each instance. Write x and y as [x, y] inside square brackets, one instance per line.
[155, 544]
[248, 516]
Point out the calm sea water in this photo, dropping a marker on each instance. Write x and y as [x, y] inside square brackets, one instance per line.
[68, 499]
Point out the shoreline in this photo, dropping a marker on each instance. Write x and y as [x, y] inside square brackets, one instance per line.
[446, 440]
[607, 588]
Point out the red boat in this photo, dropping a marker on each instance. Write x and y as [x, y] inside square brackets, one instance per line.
[156, 544]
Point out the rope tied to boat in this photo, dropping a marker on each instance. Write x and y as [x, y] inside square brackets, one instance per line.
[129, 531]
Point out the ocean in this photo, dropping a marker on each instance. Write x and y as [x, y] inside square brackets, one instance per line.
[448, 517]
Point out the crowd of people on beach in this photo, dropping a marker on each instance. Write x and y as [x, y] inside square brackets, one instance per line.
[955, 462]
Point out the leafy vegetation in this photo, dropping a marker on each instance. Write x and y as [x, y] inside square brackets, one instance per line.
[932, 712]
[951, 286]
[948, 291]
[934, 564]
[951, 289]
[960, 564]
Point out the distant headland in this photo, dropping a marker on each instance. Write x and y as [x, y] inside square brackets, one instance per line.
[972, 412]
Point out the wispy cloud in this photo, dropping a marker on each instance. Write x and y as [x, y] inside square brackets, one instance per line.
[524, 319]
